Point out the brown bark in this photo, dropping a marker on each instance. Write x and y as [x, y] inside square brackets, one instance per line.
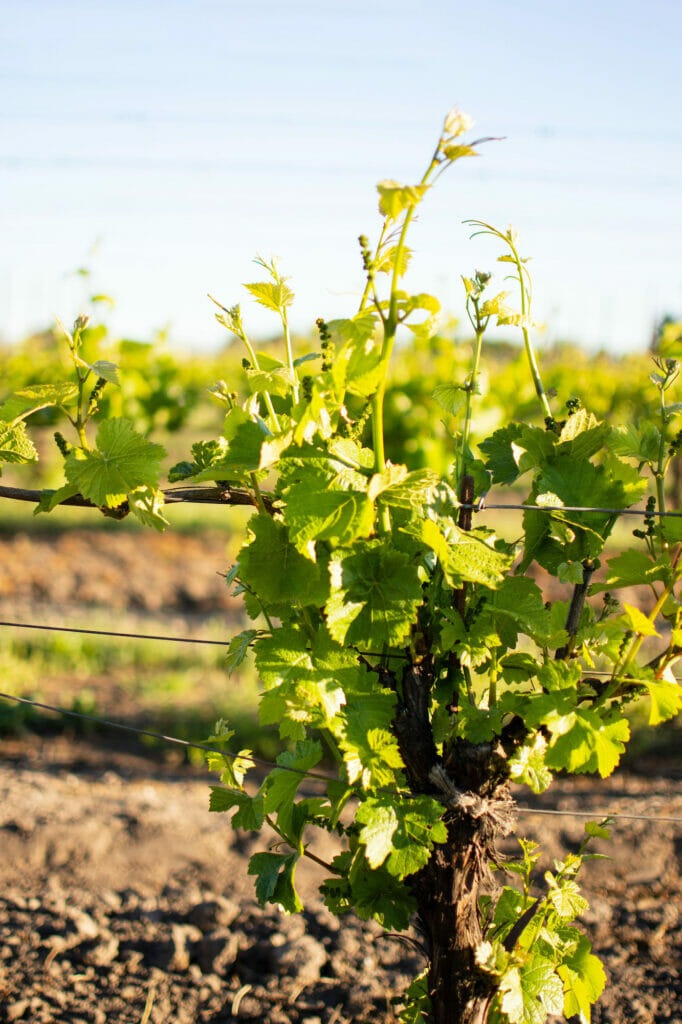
[470, 781]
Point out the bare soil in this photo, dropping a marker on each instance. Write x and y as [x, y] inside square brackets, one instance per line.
[124, 900]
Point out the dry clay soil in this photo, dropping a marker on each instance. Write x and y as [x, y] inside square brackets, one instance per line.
[124, 900]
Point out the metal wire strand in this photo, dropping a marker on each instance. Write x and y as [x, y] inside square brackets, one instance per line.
[522, 809]
[107, 632]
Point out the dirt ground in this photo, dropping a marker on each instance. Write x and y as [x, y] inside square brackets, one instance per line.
[123, 900]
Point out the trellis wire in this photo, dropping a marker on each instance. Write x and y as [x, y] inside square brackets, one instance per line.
[308, 774]
[237, 496]
[226, 643]
[107, 632]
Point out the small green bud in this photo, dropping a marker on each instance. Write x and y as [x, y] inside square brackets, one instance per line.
[62, 443]
[307, 387]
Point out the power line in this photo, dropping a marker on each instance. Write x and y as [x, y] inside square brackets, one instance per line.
[308, 774]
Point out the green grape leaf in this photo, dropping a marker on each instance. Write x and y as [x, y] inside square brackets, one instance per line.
[413, 492]
[282, 657]
[250, 813]
[581, 741]
[402, 833]
[632, 568]
[567, 899]
[394, 197]
[50, 499]
[511, 996]
[15, 445]
[371, 756]
[282, 784]
[273, 295]
[636, 442]
[666, 699]
[570, 572]
[542, 990]
[450, 397]
[242, 452]
[315, 512]
[123, 461]
[472, 558]
[582, 435]
[638, 622]
[276, 382]
[359, 328]
[473, 643]
[584, 980]
[519, 599]
[273, 568]
[375, 593]
[527, 764]
[387, 260]
[498, 454]
[106, 370]
[275, 880]
[477, 725]
[39, 396]
[379, 895]
[379, 819]
[239, 648]
[146, 503]
[358, 366]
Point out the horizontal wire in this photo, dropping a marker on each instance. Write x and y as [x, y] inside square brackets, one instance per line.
[107, 632]
[593, 814]
[153, 636]
[299, 771]
[484, 506]
[163, 736]
[237, 496]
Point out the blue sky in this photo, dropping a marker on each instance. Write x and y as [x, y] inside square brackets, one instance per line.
[185, 138]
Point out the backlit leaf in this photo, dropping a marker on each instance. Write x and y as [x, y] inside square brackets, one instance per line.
[123, 461]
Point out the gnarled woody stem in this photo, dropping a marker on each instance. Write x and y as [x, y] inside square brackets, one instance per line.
[471, 784]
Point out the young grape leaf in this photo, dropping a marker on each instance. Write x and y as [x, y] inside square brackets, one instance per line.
[238, 649]
[282, 785]
[273, 568]
[666, 699]
[39, 396]
[123, 461]
[146, 504]
[527, 764]
[638, 622]
[275, 880]
[636, 442]
[379, 895]
[584, 980]
[250, 813]
[50, 499]
[581, 741]
[15, 445]
[400, 832]
[375, 592]
[319, 513]
[273, 295]
[632, 568]
[394, 197]
[371, 756]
